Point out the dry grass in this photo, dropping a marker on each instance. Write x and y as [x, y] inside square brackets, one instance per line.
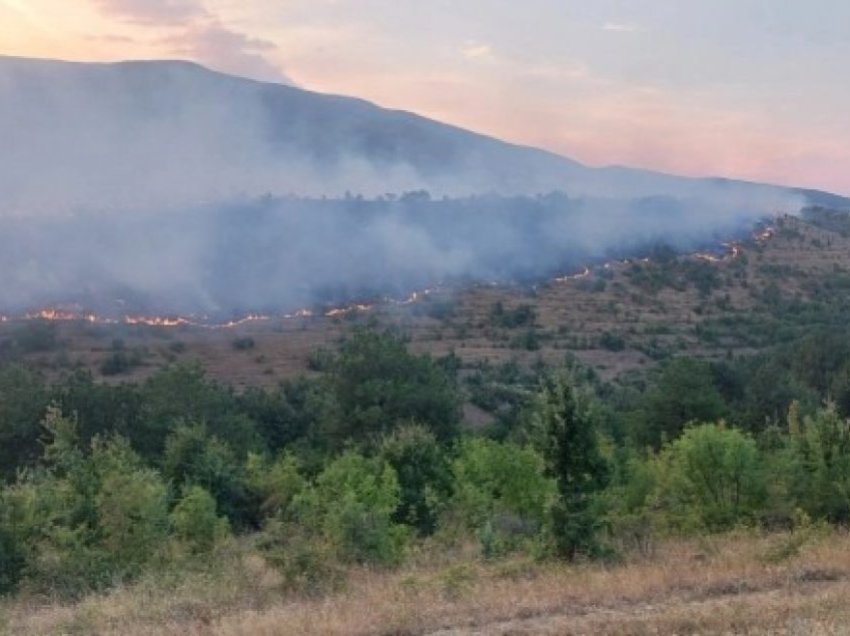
[721, 585]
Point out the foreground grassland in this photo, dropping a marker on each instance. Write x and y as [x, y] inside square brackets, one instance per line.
[737, 583]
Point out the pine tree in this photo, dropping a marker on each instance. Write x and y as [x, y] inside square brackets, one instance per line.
[574, 460]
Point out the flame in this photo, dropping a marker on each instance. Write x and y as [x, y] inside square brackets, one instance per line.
[342, 311]
[156, 321]
[764, 235]
[582, 274]
[61, 315]
[250, 318]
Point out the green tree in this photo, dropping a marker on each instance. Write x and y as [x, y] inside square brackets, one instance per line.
[193, 457]
[378, 385]
[712, 478]
[500, 488]
[423, 474]
[351, 505]
[685, 393]
[820, 465]
[574, 460]
[275, 485]
[23, 401]
[195, 522]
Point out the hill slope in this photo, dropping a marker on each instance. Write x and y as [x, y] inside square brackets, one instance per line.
[102, 134]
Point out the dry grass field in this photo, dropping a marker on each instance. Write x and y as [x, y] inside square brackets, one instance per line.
[724, 585]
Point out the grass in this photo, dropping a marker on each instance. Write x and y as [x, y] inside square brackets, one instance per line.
[728, 584]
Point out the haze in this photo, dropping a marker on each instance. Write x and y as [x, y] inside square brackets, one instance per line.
[740, 88]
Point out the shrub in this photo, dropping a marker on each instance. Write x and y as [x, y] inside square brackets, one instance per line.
[195, 522]
[245, 343]
[712, 478]
[352, 504]
[275, 485]
[503, 486]
[375, 385]
[423, 474]
[571, 447]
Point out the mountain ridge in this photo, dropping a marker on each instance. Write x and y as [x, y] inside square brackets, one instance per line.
[318, 128]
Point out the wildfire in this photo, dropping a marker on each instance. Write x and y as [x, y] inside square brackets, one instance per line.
[342, 311]
[250, 318]
[157, 321]
[733, 251]
[764, 235]
[60, 315]
[582, 274]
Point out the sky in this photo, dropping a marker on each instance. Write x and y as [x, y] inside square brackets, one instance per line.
[751, 89]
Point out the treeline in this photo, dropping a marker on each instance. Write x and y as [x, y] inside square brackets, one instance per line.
[359, 465]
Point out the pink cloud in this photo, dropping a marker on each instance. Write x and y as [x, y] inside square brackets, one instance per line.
[227, 50]
[199, 35]
[152, 11]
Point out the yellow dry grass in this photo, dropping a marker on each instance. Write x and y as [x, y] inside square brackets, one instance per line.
[720, 585]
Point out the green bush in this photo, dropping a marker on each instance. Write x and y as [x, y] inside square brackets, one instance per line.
[275, 485]
[819, 465]
[574, 460]
[245, 343]
[352, 504]
[503, 486]
[712, 478]
[376, 385]
[423, 474]
[193, 457]
[195, 522]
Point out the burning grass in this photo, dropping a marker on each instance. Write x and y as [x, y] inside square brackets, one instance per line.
[727, 584]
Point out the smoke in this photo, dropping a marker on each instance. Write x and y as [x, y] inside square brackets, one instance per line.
[144, 186]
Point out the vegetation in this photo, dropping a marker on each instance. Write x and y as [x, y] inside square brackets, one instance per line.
[367, 470]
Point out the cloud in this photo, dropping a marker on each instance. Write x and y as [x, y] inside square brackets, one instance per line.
[477, 50]
[152, 11]
[619, 27]
[200, 35]
[229, 51]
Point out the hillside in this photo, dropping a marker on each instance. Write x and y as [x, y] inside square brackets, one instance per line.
[162, 187]
[615, 318]
[141, 121]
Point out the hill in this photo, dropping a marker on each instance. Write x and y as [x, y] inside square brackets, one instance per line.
[615, 317]
[100, 130]
[163, 187]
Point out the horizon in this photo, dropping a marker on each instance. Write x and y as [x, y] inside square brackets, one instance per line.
[731, 90]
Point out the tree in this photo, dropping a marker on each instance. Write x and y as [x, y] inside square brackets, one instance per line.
[195, 522]
[193, 457]
[712, 477]
[571, 448]
[820, 465]
[685, 393]
[423, 475]
[352, 504]
[23, 401]
[501, 492]
[378, 385]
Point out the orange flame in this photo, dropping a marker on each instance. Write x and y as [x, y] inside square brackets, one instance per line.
[582, 274]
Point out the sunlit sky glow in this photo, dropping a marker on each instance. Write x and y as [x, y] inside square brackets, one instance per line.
[753, 89]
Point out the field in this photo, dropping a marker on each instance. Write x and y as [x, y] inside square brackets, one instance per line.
[739, 583]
